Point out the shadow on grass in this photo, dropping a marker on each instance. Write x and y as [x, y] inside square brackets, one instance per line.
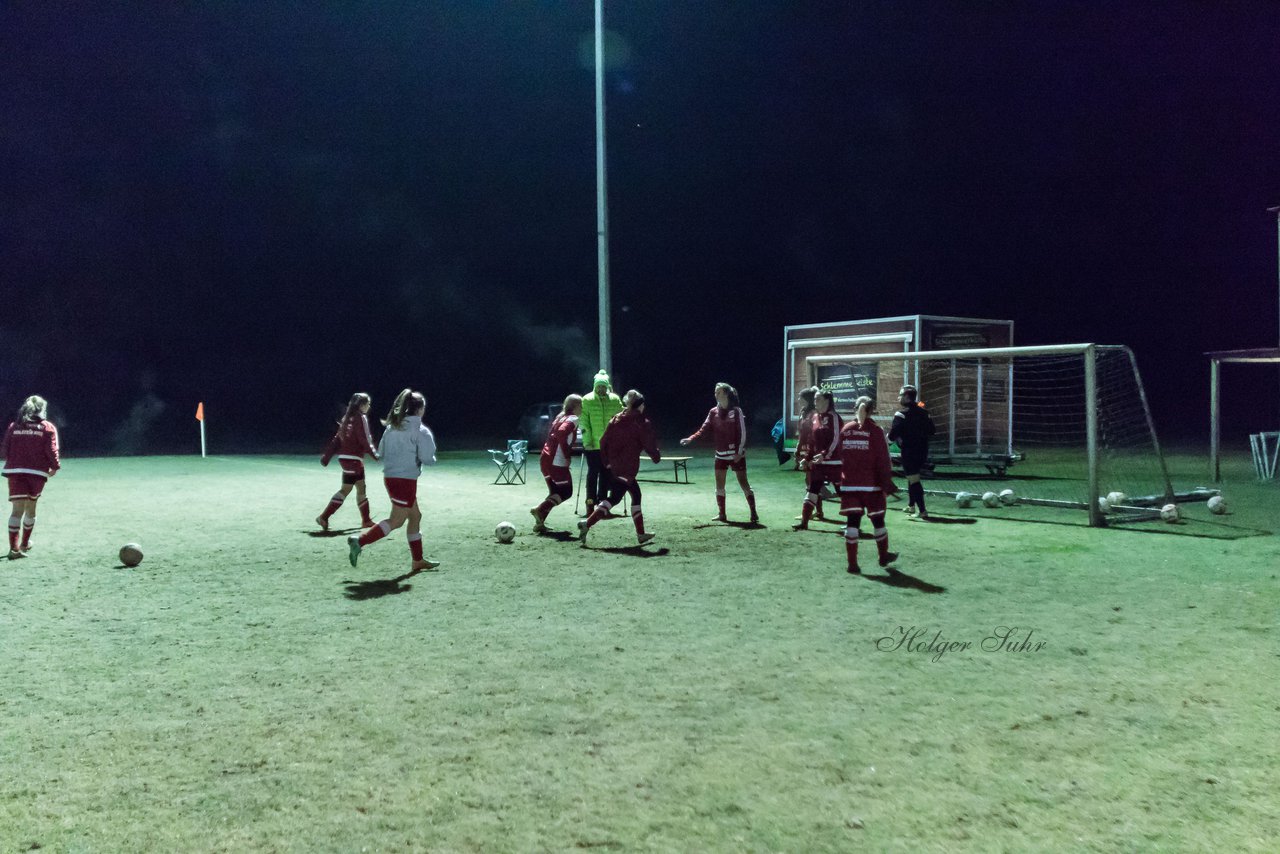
[634, 551]
[749, 526]
[333, 532]
[934, 519]
[359, 591]
[558, 536]
[896, 578]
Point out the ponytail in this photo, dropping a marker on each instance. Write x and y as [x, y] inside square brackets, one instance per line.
[408, 403]
[862, 408]
[34, 408]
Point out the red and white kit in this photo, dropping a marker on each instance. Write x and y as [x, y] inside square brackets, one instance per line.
[557, 455]
[865, 477]
[30, 452]
[728, 428]
[824, 434]
[629, 434]
[351, 444]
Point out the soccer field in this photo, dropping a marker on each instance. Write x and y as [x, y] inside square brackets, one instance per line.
[722, 689]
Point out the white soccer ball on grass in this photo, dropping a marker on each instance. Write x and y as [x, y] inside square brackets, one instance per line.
[505, 532]
[990, 499]
[131, 554]
[1103, 504]
[964, 499]
[1217, 505]
[1008, 497]
[1114, 498]
[1170, 513]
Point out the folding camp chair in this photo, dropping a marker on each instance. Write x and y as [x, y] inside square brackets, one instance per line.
[511, 462]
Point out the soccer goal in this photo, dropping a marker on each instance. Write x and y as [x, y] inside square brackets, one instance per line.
[1056, 426]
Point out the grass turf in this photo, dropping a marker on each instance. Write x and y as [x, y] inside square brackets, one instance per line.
[724, 688]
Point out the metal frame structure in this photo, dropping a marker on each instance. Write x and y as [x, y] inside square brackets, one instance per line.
[1256, 356]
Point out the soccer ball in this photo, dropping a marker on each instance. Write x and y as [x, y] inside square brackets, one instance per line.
[131, 554]
[1114, 498]
[1103, 504]
[1217, 505]
[990, 499]
[505, 532]
[964, 499]
[1170, 513]
[1007, 496]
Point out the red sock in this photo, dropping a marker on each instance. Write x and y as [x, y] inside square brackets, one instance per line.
[363, 506]
[806, 512]
[720, 502]
[637, 518]
[599, 512]
[27, 525]
[375, 533]
[545, 507]
[751, 503]
[415, 546]
[14, 522]
[882, 534]
[334, 503]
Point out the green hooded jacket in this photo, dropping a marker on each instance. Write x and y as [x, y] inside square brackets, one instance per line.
[597, 408]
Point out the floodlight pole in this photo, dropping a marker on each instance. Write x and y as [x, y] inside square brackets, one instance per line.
[602, 204]
[1276, 211]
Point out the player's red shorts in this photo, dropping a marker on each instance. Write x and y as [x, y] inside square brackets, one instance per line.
[25, 486]
[352, 470]
[856, 502]
[739, 464]
[823, 473]
[559, 479]
[403, 491]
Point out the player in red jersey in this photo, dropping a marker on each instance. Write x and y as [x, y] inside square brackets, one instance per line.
[865, 479]
[804, 429]
[824, 434]
[555, 460]
[728, 428]
[630, 432]
[30, 452]
[351, 444]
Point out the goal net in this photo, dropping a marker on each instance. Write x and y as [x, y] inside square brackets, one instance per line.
[1060, 426]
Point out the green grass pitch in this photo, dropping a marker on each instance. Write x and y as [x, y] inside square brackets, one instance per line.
[723, 689]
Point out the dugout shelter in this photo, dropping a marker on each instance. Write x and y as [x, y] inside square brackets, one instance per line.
[972, 406]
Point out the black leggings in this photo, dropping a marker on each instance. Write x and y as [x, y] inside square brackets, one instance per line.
[597, 476]
[618, 487]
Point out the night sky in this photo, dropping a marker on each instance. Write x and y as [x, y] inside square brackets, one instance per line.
[268, 206]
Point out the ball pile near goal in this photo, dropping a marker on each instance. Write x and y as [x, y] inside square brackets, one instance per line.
[131, 554]
[1008, 497]
[505, 532]
[990, 499]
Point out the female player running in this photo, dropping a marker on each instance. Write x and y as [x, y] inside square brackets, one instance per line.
[407, 445]
[351, 443]
[824, 433]
[30, 452]
[728, 427]
[555, 460]
[629, 433]
[865, 479]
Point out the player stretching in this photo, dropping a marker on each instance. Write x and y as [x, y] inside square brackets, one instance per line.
[864, 481]
[911, 429]
[630, 432]
[728, 427]
[824, 434]
[407, 445]
[30, 452]
[351, 443]
[555, 460]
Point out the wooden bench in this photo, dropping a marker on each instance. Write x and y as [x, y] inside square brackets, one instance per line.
[678, 465]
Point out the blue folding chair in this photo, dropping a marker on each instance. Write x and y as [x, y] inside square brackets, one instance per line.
[511, 462]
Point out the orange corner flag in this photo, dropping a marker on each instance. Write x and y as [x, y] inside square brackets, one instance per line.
[200, 411]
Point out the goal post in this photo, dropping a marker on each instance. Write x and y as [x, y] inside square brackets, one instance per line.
[1061, 425]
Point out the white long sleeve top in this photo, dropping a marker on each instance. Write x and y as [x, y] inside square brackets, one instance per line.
[406, 450]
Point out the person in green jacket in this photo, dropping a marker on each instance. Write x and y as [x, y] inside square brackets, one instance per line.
[597, 408]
